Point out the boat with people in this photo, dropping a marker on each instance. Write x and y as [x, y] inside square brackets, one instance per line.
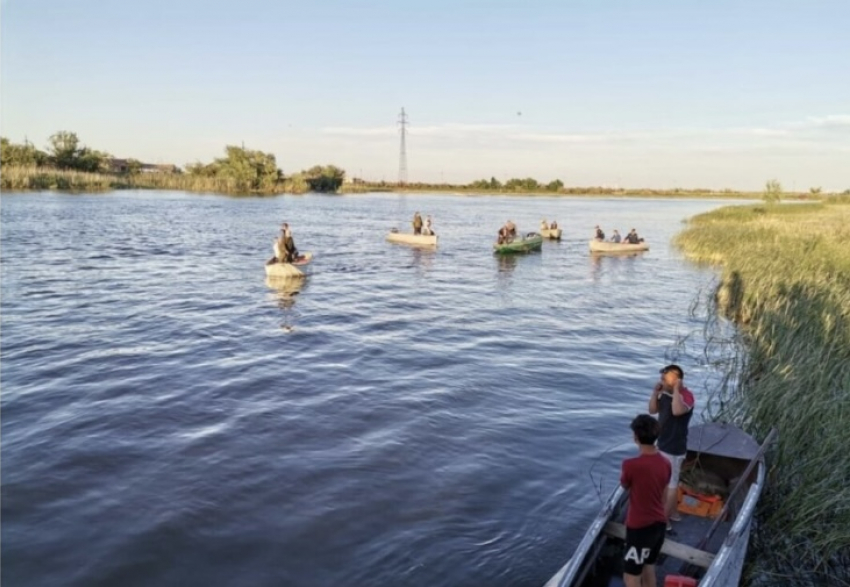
[722, 478]
[598, 246]
[279, 269]
[550, 231]
[521, 244]
[416, 240]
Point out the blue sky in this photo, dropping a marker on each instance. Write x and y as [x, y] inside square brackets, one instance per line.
[630, 93]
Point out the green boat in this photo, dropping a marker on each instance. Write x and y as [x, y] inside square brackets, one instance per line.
[530, 242]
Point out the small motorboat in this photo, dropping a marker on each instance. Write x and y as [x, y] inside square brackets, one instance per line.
[530, 242]
[278, 269]
[722, 478]
[416, 240]
[598, 246]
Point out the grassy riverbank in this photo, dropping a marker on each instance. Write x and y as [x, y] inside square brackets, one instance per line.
[45, 178]
[365, 188]
[786, 283]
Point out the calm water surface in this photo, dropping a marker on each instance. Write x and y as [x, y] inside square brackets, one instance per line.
[403, 417]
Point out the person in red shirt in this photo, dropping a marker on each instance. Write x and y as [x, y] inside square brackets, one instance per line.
[646, 477]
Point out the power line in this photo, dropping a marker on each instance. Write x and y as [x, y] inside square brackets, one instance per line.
[402, 154]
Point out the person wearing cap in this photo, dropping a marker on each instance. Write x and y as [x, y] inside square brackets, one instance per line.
[600, 235]
[646, 477]
[674, 404]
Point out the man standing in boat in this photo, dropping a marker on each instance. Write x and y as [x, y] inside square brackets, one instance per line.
[417, 223]
[674, 404]
[645, 476]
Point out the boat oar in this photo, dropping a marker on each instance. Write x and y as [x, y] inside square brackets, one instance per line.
[687, 568]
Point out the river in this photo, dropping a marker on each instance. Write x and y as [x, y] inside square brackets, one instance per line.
[404, 417]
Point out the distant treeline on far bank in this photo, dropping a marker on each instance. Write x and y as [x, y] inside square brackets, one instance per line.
[66, 164]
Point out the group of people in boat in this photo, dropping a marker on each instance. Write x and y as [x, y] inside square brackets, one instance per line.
[545, 226]
[632, 238]
[284, 246]
[507, 233]
[422, 228]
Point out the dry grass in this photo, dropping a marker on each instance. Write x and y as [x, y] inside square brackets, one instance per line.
[786, 283]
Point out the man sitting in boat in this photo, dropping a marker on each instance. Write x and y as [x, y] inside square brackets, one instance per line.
[632, 238]
[427, 230]
[616, 238]
[417, 224]
[554, 225]
[543, 225]
[600, 236]
[504, 235]
[511, 229]
[284, 246]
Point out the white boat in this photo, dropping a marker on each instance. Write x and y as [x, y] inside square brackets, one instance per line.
[551, 233]
[710, 542]
[597, 246]
[417, 240]
[277, 269]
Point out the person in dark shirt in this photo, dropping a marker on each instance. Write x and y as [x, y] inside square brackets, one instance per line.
[632, 238]
[674, 404]
[600, 234]
[645, 476]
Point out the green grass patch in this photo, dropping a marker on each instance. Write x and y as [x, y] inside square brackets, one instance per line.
[786, 283]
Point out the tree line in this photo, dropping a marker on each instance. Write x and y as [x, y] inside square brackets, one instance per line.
[241, 170]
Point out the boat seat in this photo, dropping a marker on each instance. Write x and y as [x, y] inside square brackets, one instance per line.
[677, 550]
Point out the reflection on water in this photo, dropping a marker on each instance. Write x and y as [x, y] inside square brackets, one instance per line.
[286, 288]
[507, 263]
[612, 261]
[423, 258]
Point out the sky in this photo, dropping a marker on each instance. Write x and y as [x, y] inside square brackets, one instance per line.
[640, 93]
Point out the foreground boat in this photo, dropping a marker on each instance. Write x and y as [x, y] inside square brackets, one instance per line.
[530, 242]
[417, 240]
[597, 246]
[278, 269]
[711, 540]
[551, 233]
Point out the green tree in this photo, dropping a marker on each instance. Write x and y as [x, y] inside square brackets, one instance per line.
[25, 155]
[815, 191]
[134, 167]
[495, 184]
[327, 179]
[772, 191]
[64, 149]
[554, 186]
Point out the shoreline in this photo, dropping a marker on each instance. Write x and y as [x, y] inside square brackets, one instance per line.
[785, 285]
[34, 179]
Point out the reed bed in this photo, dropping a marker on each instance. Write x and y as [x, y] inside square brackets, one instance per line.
[45, 178]
[785, 282]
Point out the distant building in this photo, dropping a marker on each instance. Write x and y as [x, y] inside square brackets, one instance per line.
[159, 168]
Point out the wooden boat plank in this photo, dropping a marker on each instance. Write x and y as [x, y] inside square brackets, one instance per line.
[677, 550]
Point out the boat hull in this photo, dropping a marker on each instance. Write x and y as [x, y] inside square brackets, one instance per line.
[275, 269]
[724, 451]
[609, 247]
[415, 240]
[532, 242]
[551, 233]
